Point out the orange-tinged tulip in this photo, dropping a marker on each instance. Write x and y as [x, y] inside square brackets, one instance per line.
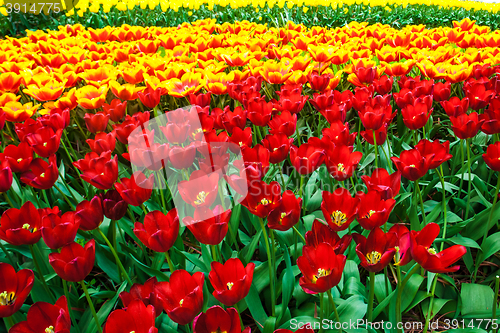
[10, 82]
[465, 25]
[236, 59]
[190, 83]
[341, 57]
[322, 53]
[99, 77]
[153, 83]
[17, 112]
[125, 91]
[147, 46]
[275, 73]
[399, 39]
[8, 97]
[399, 68]
[90, 97]
[67, 101]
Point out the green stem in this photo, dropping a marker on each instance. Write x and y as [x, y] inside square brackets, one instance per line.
[334, 307]
[40, 274]
[118, 262]
[371, 297]
[65, 197]
[376, 149]
[321, 311]
[495, 199]
[239, 315]
[269, 262]
[214, 253]
[282, 178]
[469, 181]
[421, 202]
[299, 234]
[463, 171]
[92, 309]
[401, 286]
[70, 309]
[445, 217]
[495, 300]
[8, 200]
[144, 209]
[431, 304]
[7, 254]
[169, 261]
[301, 188]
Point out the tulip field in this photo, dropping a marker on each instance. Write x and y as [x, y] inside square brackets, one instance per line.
[254, 175]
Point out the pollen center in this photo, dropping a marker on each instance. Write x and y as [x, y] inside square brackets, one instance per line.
[370, 213]
[230, 285]
[432, 250]
[264, 201]
[340, 167]
[181, 301]
[412, 165]
[7, 298]
[339, 218]
[49, 329]
[373, 257]
[321, 273]
[200, 198]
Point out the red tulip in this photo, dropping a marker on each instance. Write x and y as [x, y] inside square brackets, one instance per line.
[308, 157]
[291, 98]
[241, 137]
[466, 126]
[339, 208]
[380, 135]
[149, 97]
[373, 117]
[102, 142]
[491, 117]
[5, 177]
[455, 106]
[15, 288]
[441, 91]
[207, 226]
[411, 164]
[435, 153]
[96, 122]
[58, 231]
[492, 156]
[259, 111]
[182, 296]
[124, 129]
[21, 226]
[89, 214]
[200, 99]
[19, 157]
[152, 156]
[159, 231]
[182, 157]
[334, 113]
[231, 280]
[376, 251]
[285, 123]
[322, 233]
[321, 268]
[137, 318]
[339, 134]
[286, 214]
[403, 253]
[200, 190]
[41, 175]
[258, 156]
[144, 292]
[74, 262]
[432, 261]
[116, 109]
[45, 317]
[416, 116]
[383, 85]
[100, 171]
[216, 319]
[234, 119]
[373, 211]
[44, 141]
[318, 82]
[388, 185]
[137, 189]
[341, 162]
[113, 205]
[278, 146]
[262, 198]
[478, 96]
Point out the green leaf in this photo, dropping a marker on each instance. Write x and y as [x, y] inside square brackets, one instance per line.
[269, 325]
[490, 246]
[476, 299]
[254, 305]
[288, 283]
[352, 309]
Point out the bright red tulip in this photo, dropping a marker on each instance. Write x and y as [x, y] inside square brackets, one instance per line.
[411, 164]
[74, 262]
[278, 146]
[231, 280]
[137, 318]
[491, 117]
[89, 214]
[144, 292]
[492, 156]
[58, 231]
[208, 226]
[45, 317]
[416, 116]
[376, 251]
[44, 141]
[455, 106]
[380, 135]
[478, 96]
[137, 189]
[259, 111]
[339, 134]
[322, 233]
[286, 214]
[291, 98]
[96, 122]
[388, 185]
[341, 162]
[200, 190]
[339, 208]
[5, 177]
[19, 157]
[149, 97]
[466, 126]
[100, 171]
[216, 319]
[241, 137]
[441, 91]
[383, 85]
[21, 226]
[116, 109]
[15, 288]
[434, 152]
[234, 119]
[308, 157]
[403, 253]
[102, 142]
[373, 211]
[41, 175]
[285, 123]
[318, 82]
[262, 198]
[159, 231]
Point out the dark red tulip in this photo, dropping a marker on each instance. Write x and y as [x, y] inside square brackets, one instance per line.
[182, 157]
[388, 185]
[383, 85]
[416, 116]
[322, 233]
[478, 96]
[286, 214]
[434, 152]
[491, 117]
[466, 126]
[200, 99]
[262, 198]
[208, 226]
[234, 119]
[427, 257]
[137, 189]
[19, 157]
[278, 146]
[30, 125]
[308, 157]
[339, 208]
[376, 251]
[231, 280]
[41, 175]
[5, 177]
[89, 214]
[96, 122]
[411, 164]
[58, 231]
[74, 262]
[149, 97]
[159, 231]
[403, 254]
[45, 317]
[380, 135]
[285, 123]
[21, 226]
[341, 162]
[455, 106]
[15, 288]
[492, 156]
[216, 319]
[182, 296]
[258, 156]
[200, 190]
[113, 205]
[144, 292]
[44, 141]
[124, 129]
[137, 318]
[339, 134]
[259, 111]
[102, 142]
[373, 211]
[321, 268]
[318, 82]
[441, 91]
[116, 109]
[100, 171]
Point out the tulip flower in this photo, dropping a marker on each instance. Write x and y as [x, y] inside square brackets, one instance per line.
[287, 212]
[124, 129]
[258, 156]
[149, 97]
[216, 319]
[5, 177]
[208, 226]
[492, 156]
[339, 134]
[137, 318]
[45, 317]
[262, 198]
[116, 109]
[159, 231]
[388, 185]
[200, 190]
[321, 268]
[441, 91]
[379, 135]
[113, 205]
[416, 116]
[100, 171]
[15, 288]
[102, 142]
[144, 292]
[18, 157]
[89, 214]
[466, 126]
[21, 226]
[58, 231]
[182, 296]
[74, 262]
[478, 96]
[435, 153]
[44, 141]
[376, 251]
[341, 162]
[285, 123]
[231, 280]
[339, 208]
[200, 99]
[322, 233]
[259, 111]
[425, 255]
[383, 85]
[491, 117]
[373, 211]
[319, 82]
[182, 157]
[291, 98]
[455, 106]
[412, 164]
[241, 138]
[96, 122]
[137, 189]
[403, 253]
[234, 119]
[41, 175]
[278, 146]
[308, 157]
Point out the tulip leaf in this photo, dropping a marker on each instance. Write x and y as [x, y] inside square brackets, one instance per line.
[368, 159]
[269, 325]
[149, 271]
[106, 263]
[410, 290]
[255, 307]
[288, 282]
[489, 247]
[102, 314]
[477, 299]
[352, 309]
[460, 240]
[247, 252]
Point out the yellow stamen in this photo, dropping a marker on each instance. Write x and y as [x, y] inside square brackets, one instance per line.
[49, 329]
[340, 167]
[181, 301]
[412, 165]
[370, 213]
[264, 201]
[432, 250]
[200, 198]
[7, 298]
[230, 285]
[373, 257]
[339, 218]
